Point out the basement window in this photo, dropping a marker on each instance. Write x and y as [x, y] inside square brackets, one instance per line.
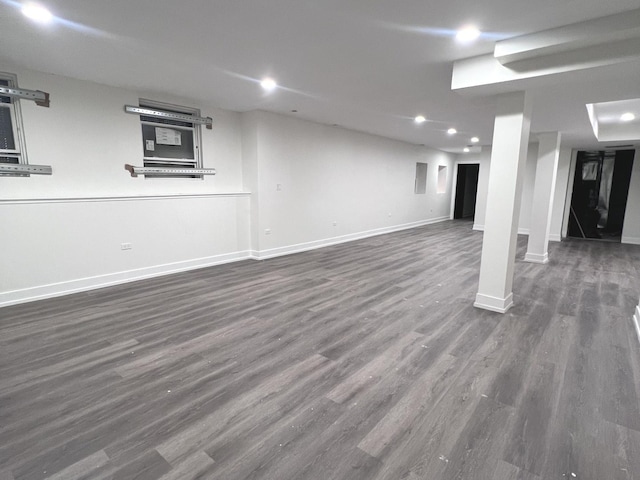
[421, 178]
[12, 144]
[442, 179]
[170, 143]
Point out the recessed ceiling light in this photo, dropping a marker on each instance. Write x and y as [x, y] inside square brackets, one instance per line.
[467, 34]
[475, 139]
[466, 150]
[269, 84]
[452, 131]
[627, 117]
[420, 119]
[37, 13]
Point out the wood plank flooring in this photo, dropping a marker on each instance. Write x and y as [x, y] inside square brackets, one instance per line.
[363, 360]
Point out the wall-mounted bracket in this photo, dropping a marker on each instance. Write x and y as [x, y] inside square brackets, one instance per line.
[41, 98]
[170, 172]
[17, 169]
[182, 117]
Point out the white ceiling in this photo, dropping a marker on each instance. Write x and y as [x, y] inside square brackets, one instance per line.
[368, 65]
[607, 124]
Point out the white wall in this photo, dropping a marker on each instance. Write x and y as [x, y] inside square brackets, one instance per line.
[87, 138]
[631, 227]
[527, 189]
[562, 196]
[484, 159]
[66, 230]
[312, 176]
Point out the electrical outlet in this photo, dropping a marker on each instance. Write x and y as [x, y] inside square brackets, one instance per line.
[279, 187]
[267, 231]
[126, 246]
[335, 224]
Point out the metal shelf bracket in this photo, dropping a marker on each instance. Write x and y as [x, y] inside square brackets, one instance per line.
[41, 98]
[17, 169]
[183, 117]
[173, 172]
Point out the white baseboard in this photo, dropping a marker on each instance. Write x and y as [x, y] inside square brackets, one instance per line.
[42, 292]
[303, 247]
[554, 237]
[494, 304]
[91, 283]
[636, 321]
[536, 257]
[631, 240]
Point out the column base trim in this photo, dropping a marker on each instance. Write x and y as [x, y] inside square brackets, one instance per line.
[494, 304]
[630, 240]
[536, 257]
[636, 321]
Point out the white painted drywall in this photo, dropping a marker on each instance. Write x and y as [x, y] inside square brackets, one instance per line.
[559, 198]
[312, 176]
[250, 178]
[87, 138]
[484, 159]
[528, 183]
[631, 227]
[562, 197]
[65, 230]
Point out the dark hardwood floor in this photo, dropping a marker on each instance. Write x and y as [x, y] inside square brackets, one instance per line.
[364, 360]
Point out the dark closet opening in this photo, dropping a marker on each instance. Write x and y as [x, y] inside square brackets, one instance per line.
[466, 189]
[600, 191]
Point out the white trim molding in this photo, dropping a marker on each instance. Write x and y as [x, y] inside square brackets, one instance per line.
[92, 283]
[42, 292]
[121, 198]
[494, 304]
[303, 247]
[636, 320]
[631, 240]
[536, 257]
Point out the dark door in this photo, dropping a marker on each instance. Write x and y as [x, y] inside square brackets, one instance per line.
[600, 191]
[466, 190]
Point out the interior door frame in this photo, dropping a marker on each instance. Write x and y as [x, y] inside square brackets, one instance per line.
[454, 185]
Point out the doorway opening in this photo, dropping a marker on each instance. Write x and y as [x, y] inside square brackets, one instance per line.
[600, 191]
[466, 190]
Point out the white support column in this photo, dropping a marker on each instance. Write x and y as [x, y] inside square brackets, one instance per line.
[508, 157]
[543, 192]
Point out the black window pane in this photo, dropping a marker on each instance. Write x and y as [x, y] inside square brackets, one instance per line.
[13, 160]
[183, 139]
[3, 99]
[7, 142]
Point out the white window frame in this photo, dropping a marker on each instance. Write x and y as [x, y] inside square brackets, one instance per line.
[20, 151]
[195, 129]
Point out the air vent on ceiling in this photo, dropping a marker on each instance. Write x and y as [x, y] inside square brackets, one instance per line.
[629, 145]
